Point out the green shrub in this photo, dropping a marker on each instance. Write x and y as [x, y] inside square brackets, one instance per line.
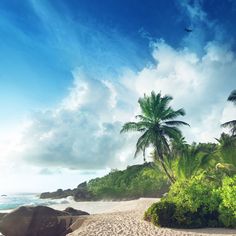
[161, 214]
[202, 217]
[193, 194]
[192, 203]
[168, 214]
[227, 207]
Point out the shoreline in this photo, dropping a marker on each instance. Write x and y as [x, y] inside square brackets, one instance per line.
[125, 218]
[93, 207]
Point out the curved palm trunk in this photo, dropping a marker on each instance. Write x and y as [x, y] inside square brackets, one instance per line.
[171, 178]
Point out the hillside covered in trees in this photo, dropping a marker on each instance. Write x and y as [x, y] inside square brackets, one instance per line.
[136, 181]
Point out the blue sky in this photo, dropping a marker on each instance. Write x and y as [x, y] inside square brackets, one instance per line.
[71, 73]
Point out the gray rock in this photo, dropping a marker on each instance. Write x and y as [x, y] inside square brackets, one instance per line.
[2, 215]
[75, 212]
[37, 221]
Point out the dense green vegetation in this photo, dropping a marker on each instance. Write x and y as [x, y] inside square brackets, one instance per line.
[203, 176]
[136, 181]
[197, 202]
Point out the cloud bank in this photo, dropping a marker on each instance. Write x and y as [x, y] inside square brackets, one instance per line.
[82, 132]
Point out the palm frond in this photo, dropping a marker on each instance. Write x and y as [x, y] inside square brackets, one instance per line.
[135, 126]
[142, 143]
[173, 114]
[145, 106]
[163, 106]
[143, 118]
[232, 97]
[171, 132]
[176, 123]
[229, 124]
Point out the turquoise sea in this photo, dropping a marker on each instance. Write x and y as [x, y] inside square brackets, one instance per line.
[12, 201]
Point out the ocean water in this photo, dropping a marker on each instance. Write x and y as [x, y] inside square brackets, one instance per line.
[12, 201]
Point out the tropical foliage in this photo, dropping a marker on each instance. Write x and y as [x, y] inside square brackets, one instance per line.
[231, 124]
[190, 204]
[198, 202]
[194, 159]
[227, 207]
[203, 175]
[158, 125]
[136, 181]
[227, 149]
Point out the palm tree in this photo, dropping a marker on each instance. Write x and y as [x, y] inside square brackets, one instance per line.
[177, 149]
[195, 158]
[231, 124]
[178, 146]
[158, 125]
[227, 147]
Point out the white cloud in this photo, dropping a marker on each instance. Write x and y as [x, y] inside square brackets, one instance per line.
[82, 132]
[199, 84]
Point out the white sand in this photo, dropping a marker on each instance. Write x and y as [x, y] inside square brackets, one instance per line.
[125, 218]
[98, 207]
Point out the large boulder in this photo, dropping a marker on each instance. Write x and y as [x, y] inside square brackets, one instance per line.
[2, 215]
[36, 221]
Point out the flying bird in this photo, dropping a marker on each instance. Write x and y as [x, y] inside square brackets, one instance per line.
[188, 30]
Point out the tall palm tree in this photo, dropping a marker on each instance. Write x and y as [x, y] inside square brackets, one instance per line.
[231, 124]
[157, 124]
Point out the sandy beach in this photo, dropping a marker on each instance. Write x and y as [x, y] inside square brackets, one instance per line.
[126, 218]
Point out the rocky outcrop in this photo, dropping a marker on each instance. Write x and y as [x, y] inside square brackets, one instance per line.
[80, 193]
[58, 194]
[38, 221]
